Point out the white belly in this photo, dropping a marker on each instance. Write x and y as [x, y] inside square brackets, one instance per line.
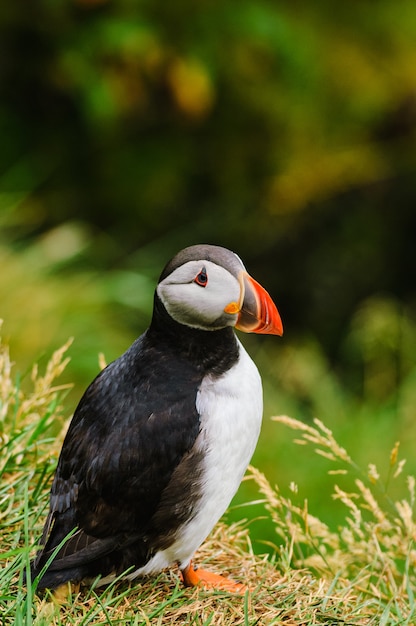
[230, 409]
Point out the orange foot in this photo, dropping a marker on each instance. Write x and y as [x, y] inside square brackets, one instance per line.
[192, 577]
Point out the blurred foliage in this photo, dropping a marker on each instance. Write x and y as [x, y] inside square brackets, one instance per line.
[284, 131]
[43, 305]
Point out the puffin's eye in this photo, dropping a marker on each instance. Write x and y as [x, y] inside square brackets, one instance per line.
[201, 279]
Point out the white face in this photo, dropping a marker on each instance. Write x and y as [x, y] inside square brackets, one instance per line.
[197, 293]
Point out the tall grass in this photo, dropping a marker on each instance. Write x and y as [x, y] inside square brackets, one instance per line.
[361, 573]
[374, 550]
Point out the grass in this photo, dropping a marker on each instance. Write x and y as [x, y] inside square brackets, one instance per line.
[362, 573]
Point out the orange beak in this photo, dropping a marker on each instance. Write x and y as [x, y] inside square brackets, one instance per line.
[258, 312]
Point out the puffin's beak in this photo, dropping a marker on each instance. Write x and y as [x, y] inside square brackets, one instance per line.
[257, 311]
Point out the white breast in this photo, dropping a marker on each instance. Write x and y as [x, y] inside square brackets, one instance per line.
[231, 412]
[230, 409]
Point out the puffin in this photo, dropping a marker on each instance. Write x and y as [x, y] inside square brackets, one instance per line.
[161, 439]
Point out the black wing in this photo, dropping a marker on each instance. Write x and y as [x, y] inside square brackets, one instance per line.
[133, 428]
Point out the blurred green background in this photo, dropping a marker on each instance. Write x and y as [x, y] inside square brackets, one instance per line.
[284, 131]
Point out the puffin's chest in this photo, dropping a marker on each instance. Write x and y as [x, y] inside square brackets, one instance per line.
[230, 409]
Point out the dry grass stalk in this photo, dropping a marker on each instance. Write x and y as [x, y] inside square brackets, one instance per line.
[375, 547]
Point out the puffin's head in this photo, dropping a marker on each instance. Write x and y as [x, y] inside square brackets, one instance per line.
[207, 287]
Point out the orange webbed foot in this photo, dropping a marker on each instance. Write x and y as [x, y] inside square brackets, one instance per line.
[192, 577]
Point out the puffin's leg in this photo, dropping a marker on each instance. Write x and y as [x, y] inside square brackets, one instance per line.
[63, 593]
[192, 577]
